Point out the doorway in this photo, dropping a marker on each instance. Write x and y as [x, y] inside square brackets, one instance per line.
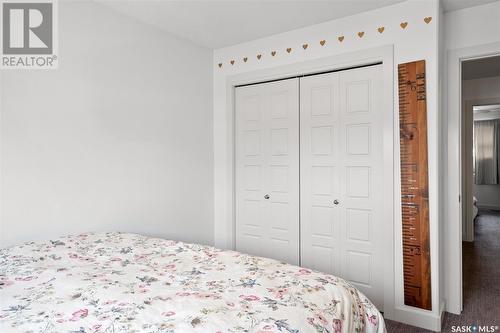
[453, 201]
[480, 164]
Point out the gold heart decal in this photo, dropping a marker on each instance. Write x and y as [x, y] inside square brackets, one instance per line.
[322, 42]
[341, 38]
[361, 34]
[259, 56]
[220, 65]
[232, 62]
[404, 25]
[245, 59]
[381, 29]
[304, 46]
[289, 50]
[428, 19]
[273, 53]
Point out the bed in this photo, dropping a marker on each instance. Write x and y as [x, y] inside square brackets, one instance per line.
[118, 282]
[475, 209]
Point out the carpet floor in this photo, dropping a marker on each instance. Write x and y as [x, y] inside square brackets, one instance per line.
[481, 280]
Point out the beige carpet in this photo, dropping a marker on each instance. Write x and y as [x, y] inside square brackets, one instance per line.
[481, 280]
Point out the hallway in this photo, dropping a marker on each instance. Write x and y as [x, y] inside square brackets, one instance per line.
[481, 280]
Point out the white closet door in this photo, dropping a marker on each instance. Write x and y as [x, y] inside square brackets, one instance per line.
[342, 177]
[319, 143]
[267, 170]
[362, 180]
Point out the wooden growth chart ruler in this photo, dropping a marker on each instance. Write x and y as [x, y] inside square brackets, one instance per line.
[414, 184]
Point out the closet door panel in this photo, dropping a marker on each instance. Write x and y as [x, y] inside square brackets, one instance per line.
[250, 170]
[361, 180]
[283, 170]
[275, 231]
[320, 217]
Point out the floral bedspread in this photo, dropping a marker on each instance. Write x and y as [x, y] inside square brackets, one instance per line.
[117, 282]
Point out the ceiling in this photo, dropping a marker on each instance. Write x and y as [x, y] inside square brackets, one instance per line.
[216, 24]
[481, 68]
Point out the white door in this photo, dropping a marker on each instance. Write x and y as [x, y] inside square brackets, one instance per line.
[267, 169]
[342, 177]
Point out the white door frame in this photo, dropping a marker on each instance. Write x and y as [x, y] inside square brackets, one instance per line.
[384, 55]
[453, 212]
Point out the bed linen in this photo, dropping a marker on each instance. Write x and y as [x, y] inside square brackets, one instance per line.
[118, 282]
[475, 209]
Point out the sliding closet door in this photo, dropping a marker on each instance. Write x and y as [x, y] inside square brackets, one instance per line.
[267, 170]
[342, 177]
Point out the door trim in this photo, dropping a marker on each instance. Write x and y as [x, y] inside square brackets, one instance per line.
[384, 55]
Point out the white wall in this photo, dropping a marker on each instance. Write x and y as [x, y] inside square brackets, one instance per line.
[485, 89]
[418, 41]
[469, 33]
[472, 26]
[488, 196]
[118, 138]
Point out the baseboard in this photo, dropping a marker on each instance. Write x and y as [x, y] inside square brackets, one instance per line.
[441, 314]
[420, 318]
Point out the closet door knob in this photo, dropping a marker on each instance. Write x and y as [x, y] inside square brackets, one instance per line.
[336, 202]
[266, 196]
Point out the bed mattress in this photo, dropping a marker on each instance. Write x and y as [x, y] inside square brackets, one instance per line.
[118, 282]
